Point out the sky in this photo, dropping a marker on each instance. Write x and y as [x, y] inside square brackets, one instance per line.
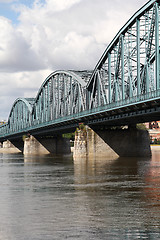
[38, 37]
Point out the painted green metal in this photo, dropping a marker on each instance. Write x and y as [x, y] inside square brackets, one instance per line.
[127, 74]
[138, 57]
[126, 67]
[157, 43]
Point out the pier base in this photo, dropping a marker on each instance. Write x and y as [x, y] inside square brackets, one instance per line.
[112, 143]
[38, 146]
[89, 144]
[9, 147]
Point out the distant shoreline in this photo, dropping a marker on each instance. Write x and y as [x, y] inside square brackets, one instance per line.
[155, 147]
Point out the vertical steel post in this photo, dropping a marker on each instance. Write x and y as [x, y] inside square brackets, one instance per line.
[36, 113]
[44, 104]
[40, 107]
[48, 102]
[98, 88]
[122, 67]
[147, 79]
[109, 78]
[64, 96]
[79, 98]
[88, 98]
[138, 56]
[71, 97]
[15, 109]
[18, 116]
[97, 85]
[157, 43]
[39, 110]
[53, 100]
[58, 93]
[35, 120]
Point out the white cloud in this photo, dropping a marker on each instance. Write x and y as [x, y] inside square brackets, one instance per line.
[60, 5]
[15, 52]
[19, 84]
[77, 30]
[52, 35]
[6, 1]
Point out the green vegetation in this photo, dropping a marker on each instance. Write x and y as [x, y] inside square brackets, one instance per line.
[25, 136]
[82, 126]
[69, 136]
[141, 126]
[156, 141]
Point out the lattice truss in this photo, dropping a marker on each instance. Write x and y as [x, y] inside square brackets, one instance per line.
[127, 72]
[20, 116]
[62, 94]
[129, 68]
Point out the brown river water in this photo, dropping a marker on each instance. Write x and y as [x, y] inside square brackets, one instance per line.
[47, 198]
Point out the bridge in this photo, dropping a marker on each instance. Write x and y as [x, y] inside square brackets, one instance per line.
[123, 89]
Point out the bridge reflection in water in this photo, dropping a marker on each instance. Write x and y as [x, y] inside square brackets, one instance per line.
[88, 198]
[123, 194]
[123, 89]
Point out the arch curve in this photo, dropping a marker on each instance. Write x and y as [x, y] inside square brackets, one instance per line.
[61, 94]
[129, 67]
[20, 114]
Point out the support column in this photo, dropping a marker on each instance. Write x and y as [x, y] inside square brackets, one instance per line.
[112, 143]
[11, 147]
[39, 146]
[88, 144]
[8, 144]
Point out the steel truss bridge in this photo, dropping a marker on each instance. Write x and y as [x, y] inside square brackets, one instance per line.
[123, 89]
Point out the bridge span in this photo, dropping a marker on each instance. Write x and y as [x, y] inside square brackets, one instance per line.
[123, 89]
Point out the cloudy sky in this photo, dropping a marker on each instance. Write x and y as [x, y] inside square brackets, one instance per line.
[38, 37]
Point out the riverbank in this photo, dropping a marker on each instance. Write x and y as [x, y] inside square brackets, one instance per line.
[155, 147]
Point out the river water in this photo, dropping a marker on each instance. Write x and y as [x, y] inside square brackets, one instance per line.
[47, 198]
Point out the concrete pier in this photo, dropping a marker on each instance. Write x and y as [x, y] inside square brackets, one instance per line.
[38, 146]
[112, 143]
[9, 147]
[89, 144]
[8, 144]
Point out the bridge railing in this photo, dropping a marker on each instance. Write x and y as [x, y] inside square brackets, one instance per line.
[5, 131]
[150, 96]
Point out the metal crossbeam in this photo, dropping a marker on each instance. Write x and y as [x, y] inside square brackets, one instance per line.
[130, 64]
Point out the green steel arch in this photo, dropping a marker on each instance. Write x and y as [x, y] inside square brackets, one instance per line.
[61, 94]
[19, 117]
[128, 70]
[20, 114]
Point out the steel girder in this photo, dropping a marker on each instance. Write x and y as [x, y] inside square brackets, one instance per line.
[62, 94]
[129, 68]
[19, 117]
